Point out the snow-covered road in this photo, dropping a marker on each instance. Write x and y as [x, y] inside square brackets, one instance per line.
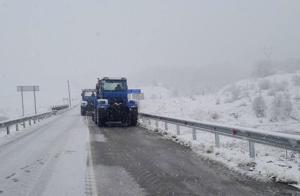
[47, 160]
[68, 155]
[134, 161]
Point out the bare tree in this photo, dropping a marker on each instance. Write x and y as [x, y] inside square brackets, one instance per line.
[259, 106]
[265, 67]
[281, 107]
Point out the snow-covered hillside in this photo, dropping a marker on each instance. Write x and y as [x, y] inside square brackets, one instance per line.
[271, 103]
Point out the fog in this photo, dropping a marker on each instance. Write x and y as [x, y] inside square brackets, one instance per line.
[48, 42]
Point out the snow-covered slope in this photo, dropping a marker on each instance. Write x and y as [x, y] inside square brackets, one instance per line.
[271, 103]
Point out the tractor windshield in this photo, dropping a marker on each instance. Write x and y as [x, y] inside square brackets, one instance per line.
[88, 93]
[115, 85]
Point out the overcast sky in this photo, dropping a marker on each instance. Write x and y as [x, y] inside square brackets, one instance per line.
[47, 42]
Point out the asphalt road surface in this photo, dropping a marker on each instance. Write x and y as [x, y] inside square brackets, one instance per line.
[68, 155]
[49, 159]
[134, 161]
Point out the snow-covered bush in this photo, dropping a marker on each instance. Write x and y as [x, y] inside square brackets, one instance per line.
[234, 93]
[264, 84]
[259, 106]
[281, 107]
[263, 69]
[297, 97]
[296, 80]
[214, 116]
[175, 93]
[218, 101]
[278, 87]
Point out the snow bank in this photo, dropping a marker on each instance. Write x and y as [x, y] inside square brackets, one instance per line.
[270, 163]
[233, 105]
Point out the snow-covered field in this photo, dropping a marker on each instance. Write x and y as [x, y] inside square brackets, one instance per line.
[234, 105]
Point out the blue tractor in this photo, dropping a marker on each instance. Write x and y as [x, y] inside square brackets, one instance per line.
[87, 101]
[112, 104]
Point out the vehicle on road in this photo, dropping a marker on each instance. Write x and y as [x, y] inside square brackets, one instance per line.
[87, 101]
[112, 103]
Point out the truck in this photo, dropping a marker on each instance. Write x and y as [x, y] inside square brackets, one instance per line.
[87, 101]
[112, 103]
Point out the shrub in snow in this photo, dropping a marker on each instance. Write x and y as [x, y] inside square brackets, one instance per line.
[259, 106]
[297, 97]
[246, 94]
[278, 87]
[271, 92]
[235, 115]
[264, 84]
[263, 69]
[244, 104]
[218, 101]
[281, 107]
[234, 93]
[192, 97]
[175, 93]
[296, 80]
[214, 116]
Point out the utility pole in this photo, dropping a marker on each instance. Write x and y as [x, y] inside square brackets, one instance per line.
[70, 103]
[22, 96]
[34, 97]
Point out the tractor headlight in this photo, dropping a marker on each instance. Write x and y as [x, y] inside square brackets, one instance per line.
[84, 103]
[132, 104]
[102, 101]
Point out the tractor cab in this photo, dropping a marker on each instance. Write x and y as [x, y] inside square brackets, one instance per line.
[112, 104]
[113, 90]
[87, 101]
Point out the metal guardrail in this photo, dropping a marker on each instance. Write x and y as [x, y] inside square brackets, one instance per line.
[284, 141]
[22, 120]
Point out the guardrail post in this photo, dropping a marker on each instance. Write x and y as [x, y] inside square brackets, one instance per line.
[166, 126]
[29, 122]
[251, 149]
[149, 122]
[194, 134]
[156, 124]
[17, 127]
[178, 129]
[7, 130]
[24, 124]
[34, 121]
[217, 140]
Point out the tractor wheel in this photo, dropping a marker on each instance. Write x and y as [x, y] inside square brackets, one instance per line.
[134, 122]
[133, 118]
[94, 116]
[100, 120]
